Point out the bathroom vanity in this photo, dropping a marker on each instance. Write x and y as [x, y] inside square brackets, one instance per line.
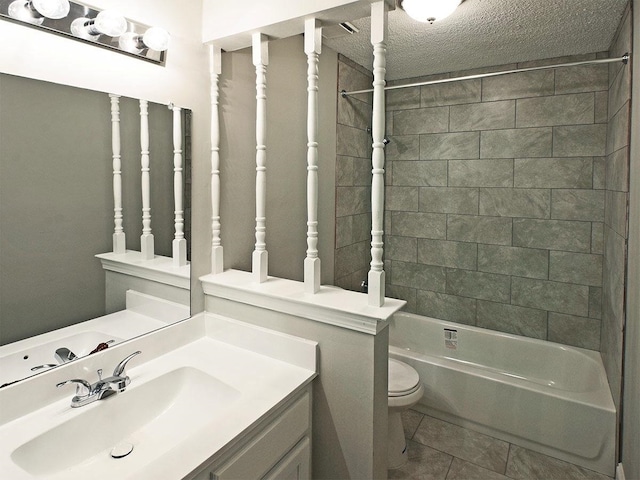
[209, 398]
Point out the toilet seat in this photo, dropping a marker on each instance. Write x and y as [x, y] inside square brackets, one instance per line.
[403, 379]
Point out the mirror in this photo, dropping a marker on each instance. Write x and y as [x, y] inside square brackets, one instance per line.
[57, 214]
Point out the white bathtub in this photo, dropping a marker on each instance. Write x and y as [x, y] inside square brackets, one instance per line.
[548, 397]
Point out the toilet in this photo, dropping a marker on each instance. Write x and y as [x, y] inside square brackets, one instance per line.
[405, 390]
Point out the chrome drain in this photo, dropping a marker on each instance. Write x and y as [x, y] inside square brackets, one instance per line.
[122, 450]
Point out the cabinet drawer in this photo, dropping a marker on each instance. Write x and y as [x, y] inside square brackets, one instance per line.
[295, 466]
[257, 458]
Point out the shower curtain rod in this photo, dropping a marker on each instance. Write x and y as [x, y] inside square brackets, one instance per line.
[624, 59]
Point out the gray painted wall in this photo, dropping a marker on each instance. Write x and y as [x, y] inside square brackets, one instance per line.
[56, 200]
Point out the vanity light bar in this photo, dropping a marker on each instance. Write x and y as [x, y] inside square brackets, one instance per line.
[82, 23]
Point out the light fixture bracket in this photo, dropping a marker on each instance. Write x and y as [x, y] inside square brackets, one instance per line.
[77, 11]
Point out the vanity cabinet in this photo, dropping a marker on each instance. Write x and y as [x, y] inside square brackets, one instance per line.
[280, 447]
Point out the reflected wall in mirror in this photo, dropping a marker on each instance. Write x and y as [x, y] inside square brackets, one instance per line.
[57, 214]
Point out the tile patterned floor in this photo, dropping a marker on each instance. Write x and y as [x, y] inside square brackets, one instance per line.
[442, 451]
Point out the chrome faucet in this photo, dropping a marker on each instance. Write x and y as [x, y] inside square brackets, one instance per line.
[87, 393]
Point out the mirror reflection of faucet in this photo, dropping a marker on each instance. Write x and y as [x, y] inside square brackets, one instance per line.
[87, 393]
[64, 355]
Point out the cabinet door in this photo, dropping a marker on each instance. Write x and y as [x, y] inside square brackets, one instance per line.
[296, 465]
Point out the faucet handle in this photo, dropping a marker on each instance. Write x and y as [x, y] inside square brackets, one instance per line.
[119, 370]
[80, 385]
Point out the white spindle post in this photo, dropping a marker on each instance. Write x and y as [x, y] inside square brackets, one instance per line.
[312, 47]
[215, 69]
[119, 241]
[260, 61]
[146, 239]
[378, 41]
[179, 244]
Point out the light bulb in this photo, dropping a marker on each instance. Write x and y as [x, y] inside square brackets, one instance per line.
[110, 23]
[429, 10]
[54, 9]
[23, 11]
[131, 42]
[157, 39]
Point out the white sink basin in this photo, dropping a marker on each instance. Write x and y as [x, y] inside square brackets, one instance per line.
[152, 416]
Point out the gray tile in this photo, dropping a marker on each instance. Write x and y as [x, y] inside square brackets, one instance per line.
[404, 249]
[521, 142]
[354, 113]
[579, 268]
[454, 93]
[615, 212]
[450, 146]
[479, 449]
[575, 331]
[528, 322]
[421, 120]
[446, 307]
[601, 111]
[613, 279]
[619, 92]
[617, 176]
[352, 200]
[447, 254]
[595, 302]
[424, 464]
[526, 465]
[553, 172]
[521, 262]
[351, 78]
[552, 296]
[557, 60]
[413, 274]
[574, 204]
[344, 231]
[351, 258]
[352, 142]
[518, 85]
[483, 116]
[573, 109]
[481, 173]
[407, 294]
[362, 172]
[344, 171]
[448, 200]
[401, 198]
[585, 78]
[410, 422]
[469, 228]
[461, 470]
[403, 147]
[618, 131]
[479, 285]
[599, 173]
[579, 140]
[564, 235]
[402, 98]
[423, 225]
[361, 227]
[515, 202]
[597, 237]
[420, 174]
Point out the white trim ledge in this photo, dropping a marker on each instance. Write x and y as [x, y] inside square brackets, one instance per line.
[160, 269]
[331, 305]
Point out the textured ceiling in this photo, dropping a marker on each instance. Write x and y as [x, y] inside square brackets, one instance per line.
[488, 32]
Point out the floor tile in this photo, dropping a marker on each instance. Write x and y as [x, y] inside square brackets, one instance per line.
[424, 464]
[461, 470]
[525, 464]
[468, 445]
[410, 422]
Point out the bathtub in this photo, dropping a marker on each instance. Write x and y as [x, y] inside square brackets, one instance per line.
[544, 396]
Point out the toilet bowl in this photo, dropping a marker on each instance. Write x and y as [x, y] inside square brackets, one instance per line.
[405, 390]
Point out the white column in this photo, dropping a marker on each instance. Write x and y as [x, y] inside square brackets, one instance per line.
[146, 240]
[312, 47]
[378, 40]
[119, 241]
[215, 69]
[260, 61]
[179, 244]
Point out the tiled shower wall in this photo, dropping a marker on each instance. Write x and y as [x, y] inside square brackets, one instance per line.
[615, 216]
[495, 200]
[353, 177]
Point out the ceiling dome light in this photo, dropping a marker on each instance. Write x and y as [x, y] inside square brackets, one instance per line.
[429, 10]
